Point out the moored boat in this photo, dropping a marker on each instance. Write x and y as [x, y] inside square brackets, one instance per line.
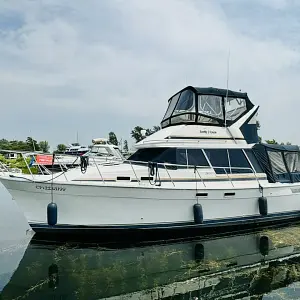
[203, 170]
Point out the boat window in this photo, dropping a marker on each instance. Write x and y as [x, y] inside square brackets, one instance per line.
[196, 158]
[278, 166]
[234, 107]
[162, 155]
[172, 104]
[219, 160]
[183, 118]
[118, 153]
[186, 103]
[210, 105]
[181, 156]
[202, 119]
[254, 161]
[238, 162]
[100, 151]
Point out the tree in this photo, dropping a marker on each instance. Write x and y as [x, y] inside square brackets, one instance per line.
[112, 138]
[136, 133]
[125, 147]
[61, 148]
[32, 144]
[44, 146]
[272, 142]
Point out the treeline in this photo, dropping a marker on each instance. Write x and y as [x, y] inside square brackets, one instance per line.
[29, 145]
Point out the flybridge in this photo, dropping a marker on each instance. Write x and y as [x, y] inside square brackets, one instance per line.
[209, 106]
[213, 107]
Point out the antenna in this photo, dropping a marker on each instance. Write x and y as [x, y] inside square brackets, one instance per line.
[227, 84]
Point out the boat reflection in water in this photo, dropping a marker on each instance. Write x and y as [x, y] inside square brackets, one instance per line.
[232, 267]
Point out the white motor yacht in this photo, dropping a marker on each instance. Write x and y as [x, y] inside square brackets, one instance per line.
[203, 170]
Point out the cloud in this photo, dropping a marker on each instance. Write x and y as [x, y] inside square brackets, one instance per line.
[110, 65]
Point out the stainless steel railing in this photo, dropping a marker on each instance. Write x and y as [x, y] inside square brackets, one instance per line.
[227, 171]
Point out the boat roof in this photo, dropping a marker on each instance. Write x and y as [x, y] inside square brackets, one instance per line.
[219, 92]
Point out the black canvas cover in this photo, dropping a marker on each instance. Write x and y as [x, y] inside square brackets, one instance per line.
[279, 162]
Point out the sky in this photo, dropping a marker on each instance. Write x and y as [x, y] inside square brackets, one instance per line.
[92, 67]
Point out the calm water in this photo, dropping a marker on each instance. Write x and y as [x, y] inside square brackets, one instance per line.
[261, 265]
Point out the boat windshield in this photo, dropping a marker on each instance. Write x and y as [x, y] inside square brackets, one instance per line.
[101, 151]
[118, 153]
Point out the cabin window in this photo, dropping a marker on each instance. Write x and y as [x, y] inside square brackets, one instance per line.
[234, 108]
[181, 156]
[238, 162]
[219, 160]
[211, 106]
[172, 104]
[195, 157]
[163, 155]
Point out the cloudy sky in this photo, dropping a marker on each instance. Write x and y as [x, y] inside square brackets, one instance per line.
[100, 65]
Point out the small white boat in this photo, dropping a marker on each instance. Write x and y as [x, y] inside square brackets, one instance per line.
[203, 170]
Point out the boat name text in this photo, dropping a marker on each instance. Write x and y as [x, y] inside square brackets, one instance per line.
[50, 188]
[208, 131]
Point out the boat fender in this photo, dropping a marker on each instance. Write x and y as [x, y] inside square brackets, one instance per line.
[199, 252]
[53, 276]
[52, 214]
[263, 206]
[264, 245]
[198, 213]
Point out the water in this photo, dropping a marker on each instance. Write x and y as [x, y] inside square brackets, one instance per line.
[257, 265]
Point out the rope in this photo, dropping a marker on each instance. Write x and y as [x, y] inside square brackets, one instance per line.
[153, 172]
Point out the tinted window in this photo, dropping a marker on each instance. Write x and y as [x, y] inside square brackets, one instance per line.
[181, 156]
[162, 155]
[219, 160]
[149, 154]
[238, 161]
[196, 158]
[253, 161]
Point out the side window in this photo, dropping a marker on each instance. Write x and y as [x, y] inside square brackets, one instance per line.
[238, 161]
[219, 160]
[181, 158]
[253, 160]
[195, 157]
[168, 156]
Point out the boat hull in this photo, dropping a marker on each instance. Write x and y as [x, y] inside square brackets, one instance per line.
[149, 212]
[132, 234]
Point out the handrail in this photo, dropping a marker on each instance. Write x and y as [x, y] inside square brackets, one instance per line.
[143, 163]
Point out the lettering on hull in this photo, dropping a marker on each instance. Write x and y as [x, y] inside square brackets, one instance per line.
[49, 188]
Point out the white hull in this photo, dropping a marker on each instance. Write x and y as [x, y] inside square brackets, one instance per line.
[110, 205]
